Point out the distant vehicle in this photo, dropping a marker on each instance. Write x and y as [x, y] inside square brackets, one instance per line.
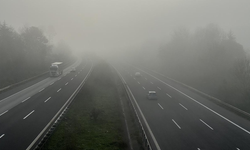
[73, 69]
[138, 74]
[55, 69]
[152, 95]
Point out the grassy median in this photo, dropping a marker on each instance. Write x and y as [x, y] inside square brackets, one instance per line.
[94, 120]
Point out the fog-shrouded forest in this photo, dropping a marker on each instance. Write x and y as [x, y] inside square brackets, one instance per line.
[209, 59]
[27, 53]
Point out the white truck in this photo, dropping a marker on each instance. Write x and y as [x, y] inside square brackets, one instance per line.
[55, 69]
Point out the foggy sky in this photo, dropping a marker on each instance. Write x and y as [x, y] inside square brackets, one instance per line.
[112, 25]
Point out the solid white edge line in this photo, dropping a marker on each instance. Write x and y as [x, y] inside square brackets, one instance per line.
[176, 124]
[45, 128]
[25, 99]
[206, 124]
[47, 99]
[199, 103]
[28, 114]
[183, 106]
[2, 136]
[59, 90]
[4, 112]
[160, 106]
[25, 89]
[143, 117]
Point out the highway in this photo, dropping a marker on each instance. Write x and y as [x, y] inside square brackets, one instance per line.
[181, 119]
[25, 111]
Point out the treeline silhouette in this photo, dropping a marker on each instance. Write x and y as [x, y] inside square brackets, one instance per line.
[210, 60]
[27, 53]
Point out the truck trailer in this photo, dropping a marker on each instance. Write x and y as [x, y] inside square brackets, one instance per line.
[55, 69]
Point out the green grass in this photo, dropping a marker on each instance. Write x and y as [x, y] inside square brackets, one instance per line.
[79, 129]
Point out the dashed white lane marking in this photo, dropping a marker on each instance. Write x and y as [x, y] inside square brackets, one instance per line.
[51, 83]
[183, 106]
[144, 88]
[47, 99]
[138, 82]
[72, 78]
[237, 148]
[67, 83]
[151, 82]
[176, 124]
[59, 79]
[76, 75]
[160, 106]
[168, 95]
[206, 124]
[134, 78]
[29, 114]
[41, 90]
[4, 112]
[2, 136]
[131, 75]
[159, 88]
[146, 79]
[203, 105]
[198, 149]
[59, 90]
[25, 99]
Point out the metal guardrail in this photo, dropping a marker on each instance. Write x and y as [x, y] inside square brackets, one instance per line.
[21, 82]
[145, 141]
[206, 95]
[26, 80]
[39, 142]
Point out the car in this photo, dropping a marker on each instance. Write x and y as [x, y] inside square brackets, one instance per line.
[138, 74]
[152, 95]
[73, 69]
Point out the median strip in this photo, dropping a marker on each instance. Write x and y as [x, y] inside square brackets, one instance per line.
[94, 119]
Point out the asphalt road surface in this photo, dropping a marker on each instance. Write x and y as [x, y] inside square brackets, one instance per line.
[24, 112]
[181, 119]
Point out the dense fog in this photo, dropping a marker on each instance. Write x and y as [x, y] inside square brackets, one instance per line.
[203, 43]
